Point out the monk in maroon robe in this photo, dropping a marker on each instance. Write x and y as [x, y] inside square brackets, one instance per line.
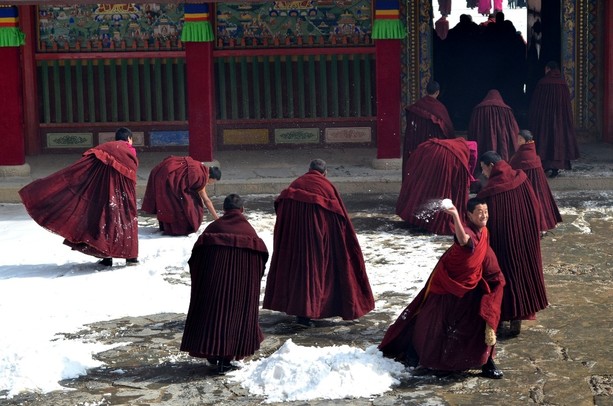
[176, 193]
[91, 203]
[226, 267]
[436, 170]
[515, 228]
[493, 125]
[451, 324]
[317, 269]
[528, 161]
[426, 118]
[552, 121]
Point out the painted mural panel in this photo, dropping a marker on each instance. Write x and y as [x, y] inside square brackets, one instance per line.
[294, 23]
[79, 27]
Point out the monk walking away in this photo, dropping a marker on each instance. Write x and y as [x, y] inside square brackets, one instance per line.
[176, 194]
[552, 121]
[493, 126]
[528, 161]
[450, 325]
[317, 269]
[515, 232]
[92, 203]
[426, 118]
[226, 268]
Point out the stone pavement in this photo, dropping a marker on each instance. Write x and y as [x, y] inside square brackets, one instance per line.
[353, 170]
[564, 357]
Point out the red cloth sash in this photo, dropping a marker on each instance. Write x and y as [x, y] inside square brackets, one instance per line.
[460, 269]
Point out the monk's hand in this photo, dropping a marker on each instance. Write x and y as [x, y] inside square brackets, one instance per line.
[490, 335]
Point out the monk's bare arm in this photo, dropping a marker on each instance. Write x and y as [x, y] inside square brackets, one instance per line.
[208, 203]
[461, 235]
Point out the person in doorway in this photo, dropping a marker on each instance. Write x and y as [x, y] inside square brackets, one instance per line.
[437, 169]
[485, 6]
[451, 324]
[176, 194]
[426, 118]
[528, 161]
[493, 126]
[92, 203]
[226, 267]
[551, 120]
[317, 269]
[515, 231]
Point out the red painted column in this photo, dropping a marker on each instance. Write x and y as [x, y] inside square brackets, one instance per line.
[608, 73]
[31, 118]
[200, 99]
[12, 151]
[388, 97]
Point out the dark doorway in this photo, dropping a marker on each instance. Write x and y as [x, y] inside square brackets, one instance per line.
[474, 58]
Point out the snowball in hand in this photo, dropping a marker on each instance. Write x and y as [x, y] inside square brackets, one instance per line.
[446, 204]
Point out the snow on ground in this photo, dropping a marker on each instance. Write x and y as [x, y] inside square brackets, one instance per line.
[47, 290]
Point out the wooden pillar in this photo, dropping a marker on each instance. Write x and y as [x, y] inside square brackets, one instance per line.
[11, 116]
[388, 97]
[31, 123]
[200, 99]
[608, 73]
[12, 151]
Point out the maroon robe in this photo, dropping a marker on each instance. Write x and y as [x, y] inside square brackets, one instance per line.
[493, 125]
[317, 269]
[91, 203]
[426, 118]
[437, 169]
[514, 225]
[443, 328]
[172, 194]
[552, 122]
[527, 160]
[226, 268]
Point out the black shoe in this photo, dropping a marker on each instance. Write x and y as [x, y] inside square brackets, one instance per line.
[515, 328]
[106, 261]
[132, 261]
[225, 366]
[490, 370]
[554, 173]
[304, 321]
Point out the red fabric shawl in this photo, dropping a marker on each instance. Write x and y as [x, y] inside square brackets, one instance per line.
[493, 125]
[514, 225]
[552, 122]
[437, 169]
[172, 194]
[91, 203]
[444, 326]
[527, 160]
[317, 269]
[226, 268]
[426, 118]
